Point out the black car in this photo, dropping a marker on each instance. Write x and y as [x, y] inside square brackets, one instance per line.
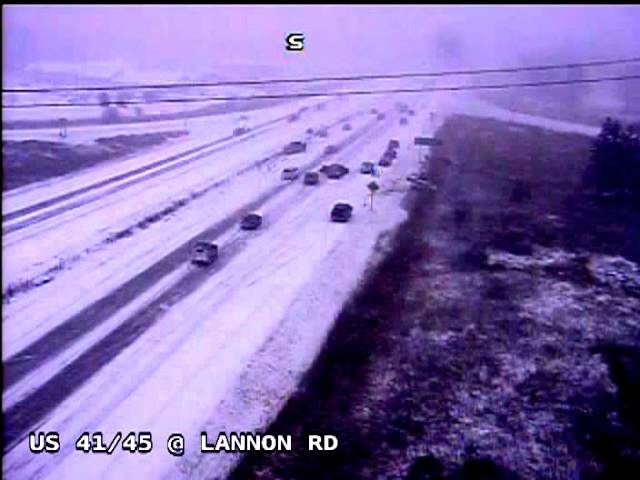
[251, 222]
[367, 168]
[393, 143]
[290, 174]
[240, 131]
[204, 253]
[346, 127]
[309, 131]
[294, 147]
[385, 161]
[341, 212]
[311, 178]
[334, 171]
[381, 116]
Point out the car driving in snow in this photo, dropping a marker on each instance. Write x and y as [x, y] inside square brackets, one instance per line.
[393, 143]
[334, 171]
[341, 212]
[290, 173]
[404, 121]
[240, 131]
[294, 147]
[311, 178]
[251, 221]
[346, 127]
[322, 133]
[204, 253]
[367, 168]
[331, 149]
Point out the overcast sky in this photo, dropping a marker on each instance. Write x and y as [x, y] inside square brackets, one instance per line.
[338, 38]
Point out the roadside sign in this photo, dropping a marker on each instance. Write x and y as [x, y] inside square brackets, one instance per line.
[427, 141]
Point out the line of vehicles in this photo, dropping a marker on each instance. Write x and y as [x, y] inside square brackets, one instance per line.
[205, 252]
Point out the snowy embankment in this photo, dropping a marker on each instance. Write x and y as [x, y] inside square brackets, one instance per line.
[270, 306]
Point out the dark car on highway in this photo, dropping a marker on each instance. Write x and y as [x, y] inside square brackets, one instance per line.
[251, 222]
[309, 131]
[294, 147]
[385, 161]
[346, 127]
[204, 253]
[374, 111]
[391, 153]
[367, 168]
[322, 133]
[404, 121]
[334, 171]
[381, 116]
[393, 143]
[290, 173]
[341, 212]
[330, 149]
[240, 131]
[311, 178]
[294, 117]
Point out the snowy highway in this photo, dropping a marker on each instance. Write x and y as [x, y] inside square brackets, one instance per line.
[127, 335]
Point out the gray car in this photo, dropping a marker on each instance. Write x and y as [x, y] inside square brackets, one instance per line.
[367, 168]
[204, 253]
[290, 174]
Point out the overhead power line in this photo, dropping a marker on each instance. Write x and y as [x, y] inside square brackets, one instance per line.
[334, 94]
[226, 83]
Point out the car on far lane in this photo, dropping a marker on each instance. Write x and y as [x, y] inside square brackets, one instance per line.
[322, 133]
[204, 253]
[294, 147]
[341, 212]
[290, 174]
[309, 131]
[393, 143]
[311, 178]
[404, 121]
[346, 127]
[240, 131]
[251, 222]
[381, 116]
[331, 149]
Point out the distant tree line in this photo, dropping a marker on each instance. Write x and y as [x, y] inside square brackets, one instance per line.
[615, 157]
